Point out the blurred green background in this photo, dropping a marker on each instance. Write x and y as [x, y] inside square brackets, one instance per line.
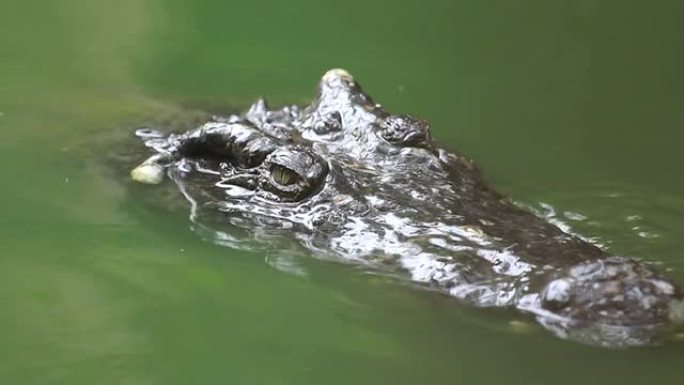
[573, 103]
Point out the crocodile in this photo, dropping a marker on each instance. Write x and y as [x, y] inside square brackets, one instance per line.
[347, 179]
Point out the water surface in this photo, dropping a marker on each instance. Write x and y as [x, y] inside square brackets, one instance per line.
[572, 107]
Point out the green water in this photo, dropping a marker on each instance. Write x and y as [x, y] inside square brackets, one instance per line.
[577, 104]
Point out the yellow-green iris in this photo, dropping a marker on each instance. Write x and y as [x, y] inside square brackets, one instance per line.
[283, 175]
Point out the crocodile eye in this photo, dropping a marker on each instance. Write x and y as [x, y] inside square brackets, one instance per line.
[290, 174]
[283, 175]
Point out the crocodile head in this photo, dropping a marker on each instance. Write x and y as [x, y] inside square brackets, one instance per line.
[352, 182]
[341, 162]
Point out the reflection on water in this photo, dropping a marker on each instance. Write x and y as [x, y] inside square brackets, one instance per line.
[100, 285]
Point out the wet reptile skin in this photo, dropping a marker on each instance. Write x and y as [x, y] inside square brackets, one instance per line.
[352, 182]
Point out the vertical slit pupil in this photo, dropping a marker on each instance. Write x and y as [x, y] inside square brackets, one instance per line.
[283, 175]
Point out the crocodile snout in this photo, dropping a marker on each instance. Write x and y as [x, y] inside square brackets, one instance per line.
[615, 291]
[613, 302]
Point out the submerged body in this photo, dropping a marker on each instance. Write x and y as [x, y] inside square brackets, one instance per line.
[351, 181]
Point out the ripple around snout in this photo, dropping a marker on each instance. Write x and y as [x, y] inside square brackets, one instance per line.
[619, 217]
[608, 335]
